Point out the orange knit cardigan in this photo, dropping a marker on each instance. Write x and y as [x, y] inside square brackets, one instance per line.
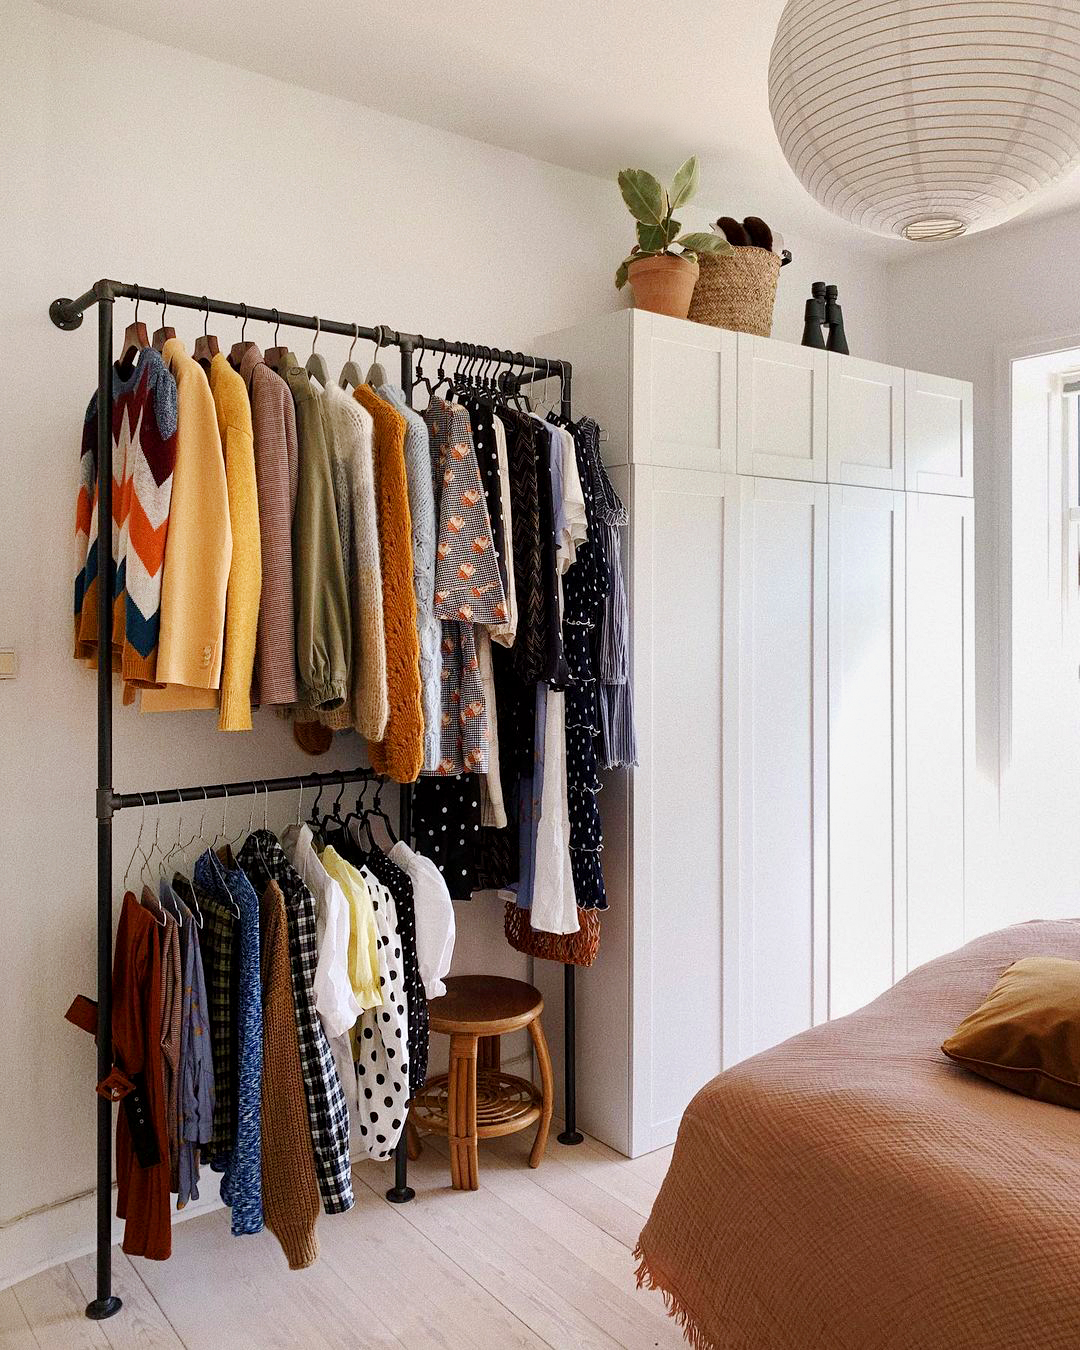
[400, 754]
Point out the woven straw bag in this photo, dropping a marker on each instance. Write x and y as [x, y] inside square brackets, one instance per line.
[737, 291]
[572, 949]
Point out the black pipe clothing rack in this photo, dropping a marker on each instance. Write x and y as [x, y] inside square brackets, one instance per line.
[68, 315]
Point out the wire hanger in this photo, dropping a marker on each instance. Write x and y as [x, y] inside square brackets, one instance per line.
[350, 377]
[135, 338]
[238, 349]
[420, 380]
[164, 331]
[376, 373]
[206, 345]
[275, 356]
[316, 366]
[138, 841]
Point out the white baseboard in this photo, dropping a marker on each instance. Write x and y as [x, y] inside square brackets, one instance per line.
[61, 1232]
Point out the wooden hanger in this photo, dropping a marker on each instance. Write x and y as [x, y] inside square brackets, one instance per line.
[350, 377]
[206, 346]
[275, 356]
[316, 366]
[164, 333]
[241, 348]
[135, 338]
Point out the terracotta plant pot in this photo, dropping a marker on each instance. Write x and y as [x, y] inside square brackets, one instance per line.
[664, 284]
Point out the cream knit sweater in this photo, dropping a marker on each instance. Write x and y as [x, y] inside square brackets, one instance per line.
[352, 449]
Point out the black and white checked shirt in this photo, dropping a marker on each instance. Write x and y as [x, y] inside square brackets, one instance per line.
[264, 860]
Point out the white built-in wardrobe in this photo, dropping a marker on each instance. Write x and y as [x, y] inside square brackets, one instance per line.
[800, 566]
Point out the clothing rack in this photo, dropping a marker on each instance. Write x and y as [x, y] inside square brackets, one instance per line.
[68, 315]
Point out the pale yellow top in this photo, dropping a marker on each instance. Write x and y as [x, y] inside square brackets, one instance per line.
[363, 933]
[198, 548]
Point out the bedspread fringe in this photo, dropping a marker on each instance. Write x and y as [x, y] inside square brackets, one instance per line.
[647, 1279]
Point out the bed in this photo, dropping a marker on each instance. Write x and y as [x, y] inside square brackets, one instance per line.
[853, 1189]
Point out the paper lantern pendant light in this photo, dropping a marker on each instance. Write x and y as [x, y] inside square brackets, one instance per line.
[926, 120]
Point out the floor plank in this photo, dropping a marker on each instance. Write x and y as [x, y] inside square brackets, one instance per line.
[423, 1296]
[220, 1290]
[15, 1333]
[140, 1325]
[54, 1306]
[558, 1296]
[606, 1211]
[511, 1178]
[534, 1259]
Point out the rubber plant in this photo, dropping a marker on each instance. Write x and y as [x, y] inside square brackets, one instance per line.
[654, 210]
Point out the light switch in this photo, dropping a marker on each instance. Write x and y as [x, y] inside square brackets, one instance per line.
[8, 664]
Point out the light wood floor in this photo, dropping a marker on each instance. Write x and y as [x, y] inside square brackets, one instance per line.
[534, 1258]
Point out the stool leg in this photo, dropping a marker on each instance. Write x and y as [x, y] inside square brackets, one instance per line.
[547, 1091]
[412, 1141]
[490, 1053]
[461, 1091]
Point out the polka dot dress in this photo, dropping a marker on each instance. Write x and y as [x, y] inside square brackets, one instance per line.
[382, 1038]
[446, 824]
[584, 590]
[399, 884]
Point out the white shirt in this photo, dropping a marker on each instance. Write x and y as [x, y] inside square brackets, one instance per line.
[337, 1005]
[435, 926]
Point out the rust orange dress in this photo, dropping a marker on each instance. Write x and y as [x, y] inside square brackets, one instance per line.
[137, 1082]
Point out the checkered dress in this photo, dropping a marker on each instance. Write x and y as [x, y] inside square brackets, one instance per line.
[264, 860]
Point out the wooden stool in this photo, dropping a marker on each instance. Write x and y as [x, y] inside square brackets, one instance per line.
[476, 1100]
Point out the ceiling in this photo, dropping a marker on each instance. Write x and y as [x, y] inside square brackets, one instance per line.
[594, 86]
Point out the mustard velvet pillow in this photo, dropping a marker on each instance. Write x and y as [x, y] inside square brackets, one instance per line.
[1026, 1036]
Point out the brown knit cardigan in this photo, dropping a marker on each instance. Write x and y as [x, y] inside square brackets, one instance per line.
[289, 1185]
[400, 754]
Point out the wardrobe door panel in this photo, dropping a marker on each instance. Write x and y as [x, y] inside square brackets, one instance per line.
[775, 962]
[683, 539]
[867, 895]
[782, 425]
[684, 382]
[940, 717]
[939, 439]
[866, 423]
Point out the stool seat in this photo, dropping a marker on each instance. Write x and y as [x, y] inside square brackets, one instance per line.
[485, 1005]
[476, 1099]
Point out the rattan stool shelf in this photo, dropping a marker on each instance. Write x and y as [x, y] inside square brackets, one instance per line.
[476, 1099]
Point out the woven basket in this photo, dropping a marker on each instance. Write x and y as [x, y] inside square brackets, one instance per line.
[737, 291]
[572, 949]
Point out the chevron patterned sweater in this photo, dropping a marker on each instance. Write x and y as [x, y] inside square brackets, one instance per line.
[144, 453]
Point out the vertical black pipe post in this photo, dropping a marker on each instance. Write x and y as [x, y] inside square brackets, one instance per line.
[571, 1134]
[401, 1192]
[106, 1303]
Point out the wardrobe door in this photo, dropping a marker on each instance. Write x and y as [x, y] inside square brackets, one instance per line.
[866, 423]
[776, 947]
[685, 528]
[782, 425]
[867, 895]
[684, 382]
[940, 717]
[939, 438]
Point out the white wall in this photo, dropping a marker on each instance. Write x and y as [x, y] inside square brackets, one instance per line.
[966, 309]
[125, 159]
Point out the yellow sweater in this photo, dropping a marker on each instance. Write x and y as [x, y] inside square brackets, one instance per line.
[198, 553]
[245, 574]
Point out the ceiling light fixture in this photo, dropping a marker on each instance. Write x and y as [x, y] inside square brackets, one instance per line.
[923, 120]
